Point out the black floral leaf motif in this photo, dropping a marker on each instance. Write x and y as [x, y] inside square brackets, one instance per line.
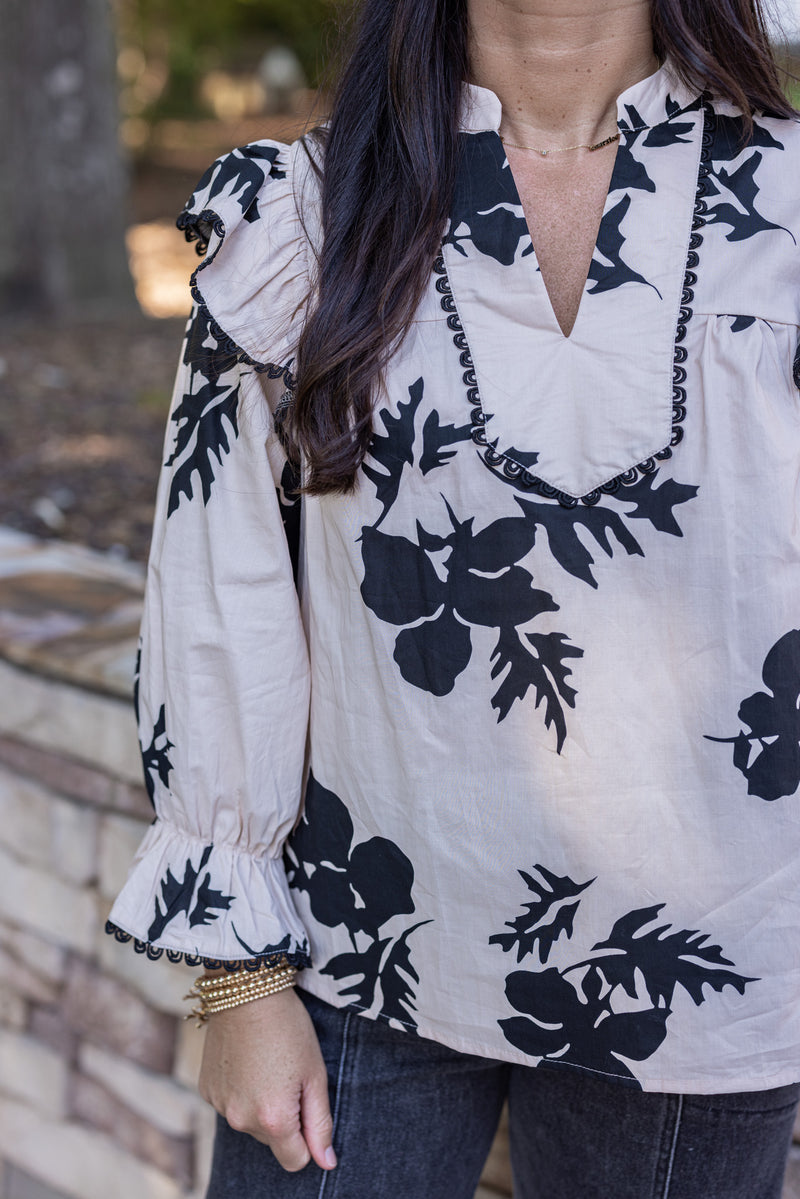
[656, 503]
[239, 174]
[544, 670]
[401, 586]
[366, 965]
[137, 669]
[569, 1027]
[509, 599]
[206, 900]
[290, 506]
[382, 876]
[629, 174]
[545, 919]
[177, 897]
[397, 993]
[668, 133]
[282, 946]
[526, 458]
[665, 959]
[740, 323]
[432, 655]
[400, 583]
[774, 724]
[325, 831]
[561, 526]
[361, 887]
[745, 221]
[436, 437]
[394, 449]
[486, 208]
[203, 352]
[206, 417]
[607, 269]
[729, 141]
[155, 756]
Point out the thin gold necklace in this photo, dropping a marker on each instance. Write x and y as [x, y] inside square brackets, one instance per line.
[563, 149]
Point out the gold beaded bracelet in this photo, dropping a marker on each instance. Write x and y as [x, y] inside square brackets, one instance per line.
[217, 993]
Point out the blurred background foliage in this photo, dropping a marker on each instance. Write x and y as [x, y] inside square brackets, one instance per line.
[169, 47]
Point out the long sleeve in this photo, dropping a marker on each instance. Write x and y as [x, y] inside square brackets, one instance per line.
[222, 689]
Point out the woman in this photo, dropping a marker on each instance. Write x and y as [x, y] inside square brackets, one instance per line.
[532, 339]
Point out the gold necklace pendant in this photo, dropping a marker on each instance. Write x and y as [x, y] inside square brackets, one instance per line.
[562, 149]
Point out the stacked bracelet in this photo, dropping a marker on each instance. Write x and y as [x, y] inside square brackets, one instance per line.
[218, 992]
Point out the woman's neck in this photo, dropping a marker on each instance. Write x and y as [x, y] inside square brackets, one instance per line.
[557, 66]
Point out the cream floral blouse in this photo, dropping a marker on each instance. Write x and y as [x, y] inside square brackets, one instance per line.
[504, 748]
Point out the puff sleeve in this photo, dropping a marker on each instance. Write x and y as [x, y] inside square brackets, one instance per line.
[222, 685]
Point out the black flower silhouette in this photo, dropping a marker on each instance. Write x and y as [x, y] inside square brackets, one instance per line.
[362, 887]
[177, 895]
[481, 585]
[774, 724]
[614, 1005]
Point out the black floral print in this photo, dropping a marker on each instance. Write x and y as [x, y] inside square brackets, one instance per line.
[583, 1015]
[206, 418]
[177, 896]
[362, 887]
[773, 725]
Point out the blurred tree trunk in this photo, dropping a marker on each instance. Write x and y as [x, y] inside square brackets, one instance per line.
[63, 187]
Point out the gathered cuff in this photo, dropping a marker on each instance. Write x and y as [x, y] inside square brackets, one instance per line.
[207, 904]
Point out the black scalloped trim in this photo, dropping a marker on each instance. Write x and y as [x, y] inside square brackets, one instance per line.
[198, 227]
[300, 960]
[513, 471]
[796, 368]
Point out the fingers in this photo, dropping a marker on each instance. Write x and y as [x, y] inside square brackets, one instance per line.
[316, 1121]
[280, 1131]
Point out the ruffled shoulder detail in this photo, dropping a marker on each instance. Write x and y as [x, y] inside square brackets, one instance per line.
[253, 282]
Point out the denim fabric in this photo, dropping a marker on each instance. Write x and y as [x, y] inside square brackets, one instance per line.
[415, 1120]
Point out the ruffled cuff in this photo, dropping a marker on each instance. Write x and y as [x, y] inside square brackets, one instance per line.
[207, 904]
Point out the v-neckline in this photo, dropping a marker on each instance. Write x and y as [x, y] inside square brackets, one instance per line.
[584, 409]
[538, 279]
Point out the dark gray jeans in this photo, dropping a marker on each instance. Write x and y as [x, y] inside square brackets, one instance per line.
[415, 1120]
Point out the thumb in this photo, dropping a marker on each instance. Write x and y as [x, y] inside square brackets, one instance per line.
[315, 1117]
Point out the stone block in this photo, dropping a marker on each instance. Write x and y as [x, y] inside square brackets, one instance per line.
[24, 980]
[206, 1127]
[41, 827]
[90, 727]
[497, 1170]
[161, 982]
[20, 1185]
[13, 1011]
[74, 841]
[119, 839]
[47, 1023]
[111, 1015]
[32, 1072]
[38, 953]
[189, 1053]
[41, 902]
[80, 1162]
[74, 779]
[162, 1101]
[93, 1104]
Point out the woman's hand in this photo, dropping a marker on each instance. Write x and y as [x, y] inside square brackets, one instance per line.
[263, 1071]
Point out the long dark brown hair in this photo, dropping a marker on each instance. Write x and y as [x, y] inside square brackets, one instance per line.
[390, 157]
